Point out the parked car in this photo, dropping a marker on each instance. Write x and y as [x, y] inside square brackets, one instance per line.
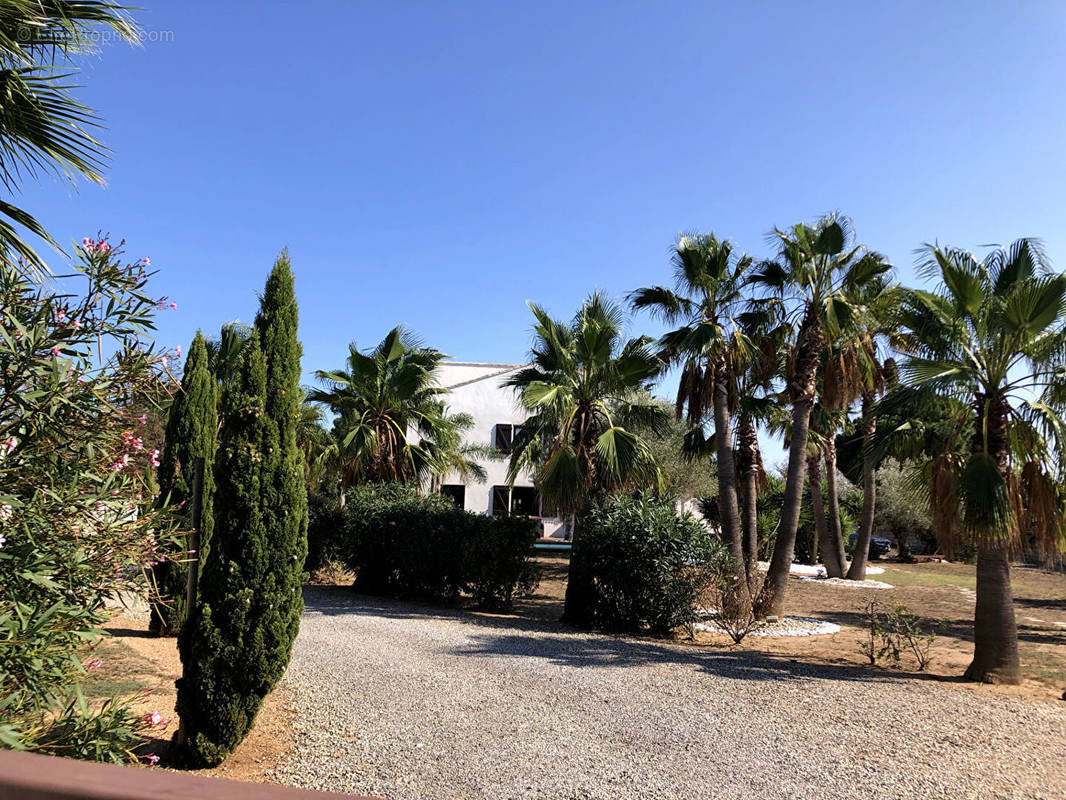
[879, 546]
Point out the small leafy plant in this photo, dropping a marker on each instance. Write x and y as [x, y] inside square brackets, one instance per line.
[892, 633]
[736, 619]
[878, 643]
[909, 635]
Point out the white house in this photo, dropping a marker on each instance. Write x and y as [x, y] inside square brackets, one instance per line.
[478, 390]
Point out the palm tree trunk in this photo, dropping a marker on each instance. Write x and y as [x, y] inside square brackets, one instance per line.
[801, 389]
[580, 591]
[814, 479]
[995, 631]
[748, 468]
[857, 570]
[834, 542]
[727, 487]
[772, 597]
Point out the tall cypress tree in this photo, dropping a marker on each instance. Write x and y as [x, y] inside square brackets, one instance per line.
[190, 435]
[283, 486]
[248, 610]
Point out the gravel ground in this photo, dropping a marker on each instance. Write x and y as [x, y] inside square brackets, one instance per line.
[401, 701]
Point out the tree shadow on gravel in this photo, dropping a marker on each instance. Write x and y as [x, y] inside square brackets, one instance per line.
[505, 636]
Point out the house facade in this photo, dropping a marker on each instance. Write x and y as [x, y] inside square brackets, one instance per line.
[478, 390]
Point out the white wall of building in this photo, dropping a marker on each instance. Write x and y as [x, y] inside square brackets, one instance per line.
[478, 390]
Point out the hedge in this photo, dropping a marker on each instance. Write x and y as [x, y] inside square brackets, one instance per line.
[397, 542]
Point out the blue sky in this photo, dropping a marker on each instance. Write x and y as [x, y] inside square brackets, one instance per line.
[438, 164]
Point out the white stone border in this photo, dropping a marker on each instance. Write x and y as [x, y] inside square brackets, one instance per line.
[845, 583]
[821, 628]
[817, 571]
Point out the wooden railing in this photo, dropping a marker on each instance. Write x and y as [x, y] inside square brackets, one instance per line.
[28, 776]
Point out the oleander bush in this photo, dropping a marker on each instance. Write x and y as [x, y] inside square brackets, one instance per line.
[650, 564]
[398, 542]
[78, 526]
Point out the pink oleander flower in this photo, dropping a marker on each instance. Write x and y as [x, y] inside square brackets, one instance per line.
[75, 323]
[173, 306]
[121, 464]
[143, 419]
[154, 718]
[56, 352]
[137, 443]
[3, 540]
[59, 315]
[147, 261]
[93, 664]
[177, 351]
[155, 457]
[87, 243]
[103, 247]
[152, 759]
[164, 362]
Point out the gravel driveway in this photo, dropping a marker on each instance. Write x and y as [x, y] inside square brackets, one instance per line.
[403, 701]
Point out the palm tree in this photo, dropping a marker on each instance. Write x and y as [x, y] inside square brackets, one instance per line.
[994, 333]
[832, 552]
[875, 372]
[226, 352]
[757, 406]
[712, 347]
[43, 128]
[585, 393]
[811, 282]
[392, 424]
[313, 439]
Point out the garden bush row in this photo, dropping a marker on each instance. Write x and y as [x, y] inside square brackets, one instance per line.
[400, 543]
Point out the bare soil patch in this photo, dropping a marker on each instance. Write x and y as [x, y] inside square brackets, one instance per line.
[934, 591]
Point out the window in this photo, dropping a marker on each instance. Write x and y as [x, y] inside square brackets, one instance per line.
[455, 492]
[525, 501]
[501, 501]
[503, 437]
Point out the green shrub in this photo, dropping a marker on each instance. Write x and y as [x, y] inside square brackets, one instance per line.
[77, 523]
[650, 564]
[398, 542]
[496, 564]
[325, 530]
